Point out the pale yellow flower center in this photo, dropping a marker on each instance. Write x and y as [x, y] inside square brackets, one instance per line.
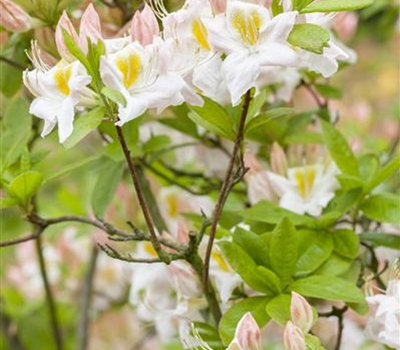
[61, 77]
[130, 67]
[200, 33]
[247, 25]
[305, 178]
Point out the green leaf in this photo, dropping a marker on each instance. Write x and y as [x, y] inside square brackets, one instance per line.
[257, 246]
[106, 185]
[383, 207]
[71, 167]
[84, 125]
[379, 239]
[214, 118]
[270, 213]
[24, 186]
[368, 165]
[265, 117]
[279, 308]
[343, 202]
[310, 37]
[349, 182]
[256, 104]
[245, 266]
[386, 172]
[315, 247]
[76, 51]
[283, 251]
[340, 150]
[346, 243]
[328, 91]
[328, 288]
[114, 95]
[6, 202]
[336, 265]
[230, 319]
[336, 5]
[299, 4]
[156, 143]
[304, 137]
[276, 7]
[313, 343]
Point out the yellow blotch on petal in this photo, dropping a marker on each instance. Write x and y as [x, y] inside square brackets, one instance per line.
[218, 258]
[200, 33]
[172, 205]
[148, 247]
[130, 67]
[305, 180]
[61, 77]
[247, 25]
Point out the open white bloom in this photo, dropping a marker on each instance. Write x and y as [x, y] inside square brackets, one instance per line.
[58, 93]
[251, 39]
[384, 323]
[138, 73]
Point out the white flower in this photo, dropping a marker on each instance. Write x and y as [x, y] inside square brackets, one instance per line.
[251, 39]
[58, 93]
[384, 323]
[138, 73]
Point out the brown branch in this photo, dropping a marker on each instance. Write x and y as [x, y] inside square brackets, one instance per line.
[142, 202]
[55, 325]
[83, 325]
[227, 184]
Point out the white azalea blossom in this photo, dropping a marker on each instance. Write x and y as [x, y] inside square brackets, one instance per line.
[384, 323]
[59, 91]
[251, 39]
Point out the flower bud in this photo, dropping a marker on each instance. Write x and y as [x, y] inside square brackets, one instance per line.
[218, 6]
[65, 24]
[278, 160]
[302, 313]
[144, 26]
[293, 337]
[247, 335]
[14, 18]
[90, 27]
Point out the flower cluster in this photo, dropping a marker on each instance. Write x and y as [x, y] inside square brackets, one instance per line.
[216, 49]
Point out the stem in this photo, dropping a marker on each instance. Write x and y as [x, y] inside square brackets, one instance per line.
[13, 63]
[226, 187]
[83, 325]
[153, 207]
[49, 296]
[9, 332]
[141, 199]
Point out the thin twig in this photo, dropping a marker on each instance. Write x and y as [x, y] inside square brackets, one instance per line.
[12, 63]
[55, 325]
[226, 186]
[142, 202]
[83, 325]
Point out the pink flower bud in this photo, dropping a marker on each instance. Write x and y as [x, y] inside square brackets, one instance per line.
[14, 18]
[218, 6]
[65, 24]
[293, 337]
[90, 27]
[248, 334]
[144, 26]
[302, 313]
[278, 160]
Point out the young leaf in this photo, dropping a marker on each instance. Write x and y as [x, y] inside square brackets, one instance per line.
[383, 207]
[310, 37]
[214, 118]
[336, 6]
[279, 308]
[315, 247]
[340, 150]
[379, 239]
[245, 266]
[84, 125]
[387, 171]
[25, 185]
[336, 265]
[284, 250]
[328, 288]
[270, 213]
[328, 91]
[114, 95]
[346, 243]
[106, 185]
[267, 116]
[230, 319]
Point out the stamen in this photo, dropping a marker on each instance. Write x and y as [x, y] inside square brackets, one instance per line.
[35, 57]
[158, 8]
